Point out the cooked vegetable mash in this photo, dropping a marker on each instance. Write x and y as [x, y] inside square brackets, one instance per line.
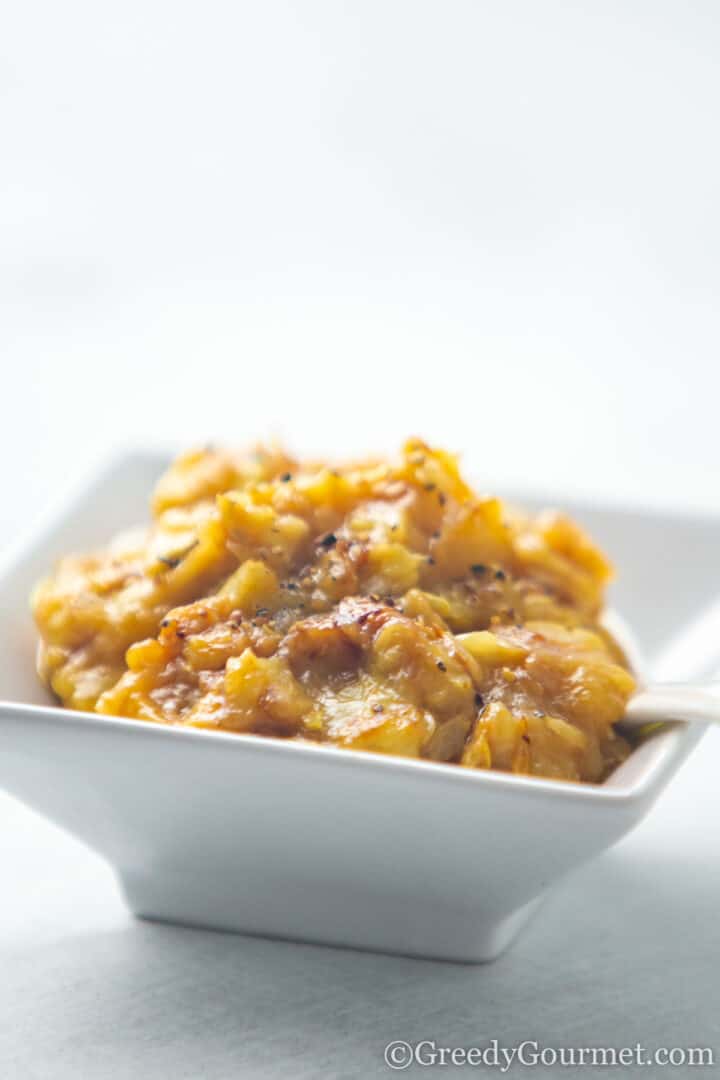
[381, 606]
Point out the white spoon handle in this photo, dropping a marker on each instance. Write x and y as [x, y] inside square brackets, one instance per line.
[691, 702]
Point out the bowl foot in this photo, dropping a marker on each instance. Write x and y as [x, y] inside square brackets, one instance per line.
[340, 917]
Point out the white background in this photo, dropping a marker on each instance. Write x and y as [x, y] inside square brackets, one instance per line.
[496, 225]
[493, 224]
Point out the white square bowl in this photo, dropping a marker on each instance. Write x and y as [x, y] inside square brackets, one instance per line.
[244, 833]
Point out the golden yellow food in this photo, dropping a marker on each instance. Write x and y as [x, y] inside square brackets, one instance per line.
[380, 606]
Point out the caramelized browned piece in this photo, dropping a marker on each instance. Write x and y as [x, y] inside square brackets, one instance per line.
[381, 606]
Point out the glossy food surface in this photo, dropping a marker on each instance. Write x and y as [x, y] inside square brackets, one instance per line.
[381, 606]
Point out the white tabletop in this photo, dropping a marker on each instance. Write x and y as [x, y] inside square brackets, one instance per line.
[624, 952]
[492, 225]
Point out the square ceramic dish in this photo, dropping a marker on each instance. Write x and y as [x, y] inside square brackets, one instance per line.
[251, 834]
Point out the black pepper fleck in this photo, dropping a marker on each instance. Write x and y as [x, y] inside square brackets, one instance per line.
[500, 575]
[478, 568]
[329, 541]
[286, 476]
[441, 666]
[479, 701]
[171, 561]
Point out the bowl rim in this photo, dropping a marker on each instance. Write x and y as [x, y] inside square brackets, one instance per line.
[670, 743]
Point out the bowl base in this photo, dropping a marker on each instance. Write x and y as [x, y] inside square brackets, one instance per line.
[407, 928]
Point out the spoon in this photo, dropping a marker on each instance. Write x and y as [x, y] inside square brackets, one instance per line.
[692, 702]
